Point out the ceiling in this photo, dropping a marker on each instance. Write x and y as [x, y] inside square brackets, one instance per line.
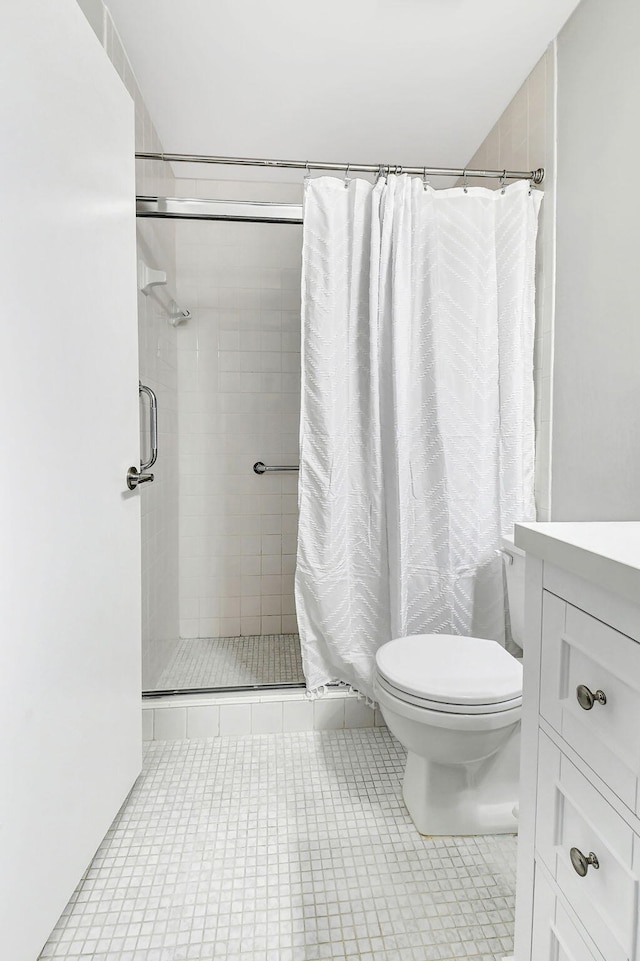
[412, 82]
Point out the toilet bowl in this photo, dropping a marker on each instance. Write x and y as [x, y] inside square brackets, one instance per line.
[454, 703]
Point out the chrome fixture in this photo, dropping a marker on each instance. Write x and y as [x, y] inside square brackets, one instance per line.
[537, 176]
[179, 208]
[586, 699]
[136, 477]
[582, 863]
[178, 315]
[153, 426]
[260, 468]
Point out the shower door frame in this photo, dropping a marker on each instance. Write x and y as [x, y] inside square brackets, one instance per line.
[233, 211]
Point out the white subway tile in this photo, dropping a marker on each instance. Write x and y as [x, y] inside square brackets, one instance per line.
[328, 713]
[169, 724]
[271, 605]
[266, 717]
[250, 607]
[271, 340]
[378, 718]
[272, 544]
[357, 713]
[249, 625]
[297, 715]
[235, 719]
[203, 721]
[288, 563]
[288, 607]
[271, 584]
[147, 724]
[230, 626]
[270, 299]
[271, 564]
[251, 565]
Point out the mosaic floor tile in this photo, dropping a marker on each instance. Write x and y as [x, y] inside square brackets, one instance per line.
[233, 662]
[292, 847]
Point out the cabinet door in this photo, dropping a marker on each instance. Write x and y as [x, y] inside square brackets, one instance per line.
[555, 937]
[70, 544]
[572, 814]
[578, 649]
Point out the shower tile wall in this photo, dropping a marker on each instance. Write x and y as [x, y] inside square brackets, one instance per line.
[239, 400]
[159, 370]
[522, 139]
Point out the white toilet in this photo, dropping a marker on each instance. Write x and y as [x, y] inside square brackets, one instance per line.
[455, 703]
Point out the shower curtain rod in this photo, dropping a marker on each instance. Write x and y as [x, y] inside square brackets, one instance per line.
[536, 176]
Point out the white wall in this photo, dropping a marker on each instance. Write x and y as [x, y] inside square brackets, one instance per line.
[596, 442]
[523, 139]
[239, 402]
[158, 369]
[70, 555]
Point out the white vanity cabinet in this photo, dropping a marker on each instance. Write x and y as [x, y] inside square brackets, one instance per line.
[578, 894]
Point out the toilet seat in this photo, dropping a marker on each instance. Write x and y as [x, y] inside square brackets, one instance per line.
[450, 674]
[447, 707]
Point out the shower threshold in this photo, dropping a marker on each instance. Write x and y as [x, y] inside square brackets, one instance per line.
[285, 686]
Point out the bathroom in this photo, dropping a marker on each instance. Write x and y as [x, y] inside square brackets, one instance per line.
[280, 814]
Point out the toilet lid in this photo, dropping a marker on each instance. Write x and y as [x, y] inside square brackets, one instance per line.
[450, 669]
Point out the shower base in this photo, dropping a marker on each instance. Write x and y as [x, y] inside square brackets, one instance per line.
[229, 662]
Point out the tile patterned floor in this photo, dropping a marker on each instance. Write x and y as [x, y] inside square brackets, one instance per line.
[233, 662]
[291, 847]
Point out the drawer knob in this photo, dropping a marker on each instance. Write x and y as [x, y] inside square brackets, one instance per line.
[586, 698]
[581, 863]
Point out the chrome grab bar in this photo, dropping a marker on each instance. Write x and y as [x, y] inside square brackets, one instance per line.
[260, 468]
[153, 426]
[136, 477]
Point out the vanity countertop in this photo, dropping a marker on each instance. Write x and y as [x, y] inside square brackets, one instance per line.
[606, 553]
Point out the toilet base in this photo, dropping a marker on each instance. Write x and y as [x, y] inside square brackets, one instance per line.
[454, 799]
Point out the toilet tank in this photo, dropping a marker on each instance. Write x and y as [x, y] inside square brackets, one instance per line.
[514, 567]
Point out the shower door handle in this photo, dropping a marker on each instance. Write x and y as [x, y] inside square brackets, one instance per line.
[136, 477]
[153, 426]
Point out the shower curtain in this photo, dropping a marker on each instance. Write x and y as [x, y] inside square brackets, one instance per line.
[417, 426]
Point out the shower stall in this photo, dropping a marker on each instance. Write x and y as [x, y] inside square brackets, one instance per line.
[231, 399]
[231, 369]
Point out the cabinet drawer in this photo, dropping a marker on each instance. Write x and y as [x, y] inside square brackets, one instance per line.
[555, 937]
[579, 650]
[571, 813]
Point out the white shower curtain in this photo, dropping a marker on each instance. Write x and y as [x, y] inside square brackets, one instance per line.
[417, 429]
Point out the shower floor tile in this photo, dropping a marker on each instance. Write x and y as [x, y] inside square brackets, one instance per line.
[286, 847]
[233, 662]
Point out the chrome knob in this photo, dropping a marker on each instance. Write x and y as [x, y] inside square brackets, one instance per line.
[581, 864]
[135, 477]
[259, 467]
[586, 699]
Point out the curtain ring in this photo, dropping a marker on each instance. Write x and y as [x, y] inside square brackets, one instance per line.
[503, 181]
[425, 182]
[465, 181]
[346, 177]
